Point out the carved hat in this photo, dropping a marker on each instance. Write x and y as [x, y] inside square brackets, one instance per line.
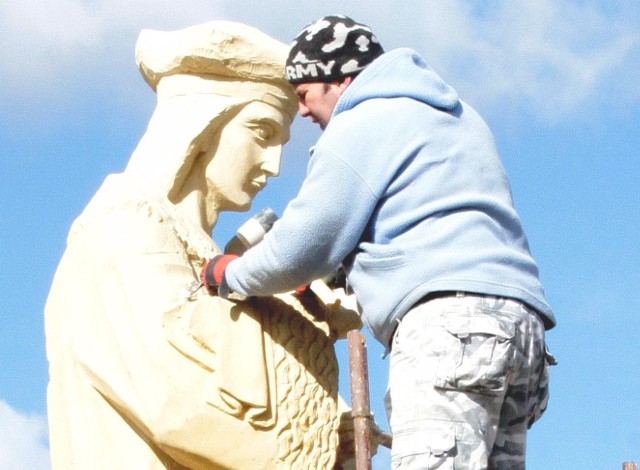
[330, 49]
[223, 50]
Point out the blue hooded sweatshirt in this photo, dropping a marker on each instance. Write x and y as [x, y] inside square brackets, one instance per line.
[405, 188]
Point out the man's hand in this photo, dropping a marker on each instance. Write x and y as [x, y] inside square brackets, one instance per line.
[212, 275]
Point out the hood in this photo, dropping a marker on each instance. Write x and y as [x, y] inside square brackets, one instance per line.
[399, 73]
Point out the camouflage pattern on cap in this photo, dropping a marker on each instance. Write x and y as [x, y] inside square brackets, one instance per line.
[330, 49]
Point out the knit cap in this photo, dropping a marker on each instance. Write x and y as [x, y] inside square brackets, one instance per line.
[330, 49]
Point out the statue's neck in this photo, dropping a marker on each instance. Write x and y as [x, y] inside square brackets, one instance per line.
[193, 208]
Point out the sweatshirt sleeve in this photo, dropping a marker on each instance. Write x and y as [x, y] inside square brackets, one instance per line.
[318, 229]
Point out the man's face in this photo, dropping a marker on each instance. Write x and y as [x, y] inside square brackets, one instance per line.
[248, 152]
[317, 100]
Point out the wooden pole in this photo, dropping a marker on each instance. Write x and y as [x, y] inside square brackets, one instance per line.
[360, 409]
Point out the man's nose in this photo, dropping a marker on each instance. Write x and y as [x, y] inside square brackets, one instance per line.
[303, 110]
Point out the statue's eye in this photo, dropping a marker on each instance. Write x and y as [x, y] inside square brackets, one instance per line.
[264, 130]
[264, 133]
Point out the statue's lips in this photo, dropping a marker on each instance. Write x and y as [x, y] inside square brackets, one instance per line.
[259, 185]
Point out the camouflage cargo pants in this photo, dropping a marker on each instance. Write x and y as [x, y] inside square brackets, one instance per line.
[468, 377]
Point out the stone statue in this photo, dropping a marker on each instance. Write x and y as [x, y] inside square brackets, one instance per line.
[146, 373]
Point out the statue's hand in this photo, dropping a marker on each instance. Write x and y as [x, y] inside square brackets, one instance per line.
[346, 457]
[333, 306]
[344, 317]
[342, 320]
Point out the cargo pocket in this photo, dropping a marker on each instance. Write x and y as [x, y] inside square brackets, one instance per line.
[424, 449]
[540, 397]
[479, 355]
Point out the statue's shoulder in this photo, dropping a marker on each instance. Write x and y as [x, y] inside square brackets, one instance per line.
[123, 218]
[115, 202]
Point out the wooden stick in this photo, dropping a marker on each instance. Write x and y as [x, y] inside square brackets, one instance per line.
[360, 409]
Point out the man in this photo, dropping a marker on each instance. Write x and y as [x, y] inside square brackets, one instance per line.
[405, 190]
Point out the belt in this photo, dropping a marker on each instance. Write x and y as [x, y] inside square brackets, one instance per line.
[441, 294]
[452, 293]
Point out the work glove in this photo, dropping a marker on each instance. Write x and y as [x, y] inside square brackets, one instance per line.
[303, 289]
[213, 278]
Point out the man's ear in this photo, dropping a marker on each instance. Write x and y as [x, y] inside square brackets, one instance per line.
[344, 84]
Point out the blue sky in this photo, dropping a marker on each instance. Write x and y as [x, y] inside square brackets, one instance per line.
[556, 81]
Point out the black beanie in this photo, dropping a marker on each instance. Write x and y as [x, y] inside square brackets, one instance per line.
[330, 49]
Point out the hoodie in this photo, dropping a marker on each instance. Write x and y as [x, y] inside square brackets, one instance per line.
[406, 190]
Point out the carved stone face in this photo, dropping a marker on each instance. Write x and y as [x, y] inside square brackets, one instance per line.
[248, 152]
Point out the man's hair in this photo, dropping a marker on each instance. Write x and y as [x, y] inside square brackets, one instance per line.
[330, 49]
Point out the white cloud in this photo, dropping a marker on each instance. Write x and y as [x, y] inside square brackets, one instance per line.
[57, 54]
[550, 58]
[44, 37]
[22, 440]
[74, 23]
[547, 58]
